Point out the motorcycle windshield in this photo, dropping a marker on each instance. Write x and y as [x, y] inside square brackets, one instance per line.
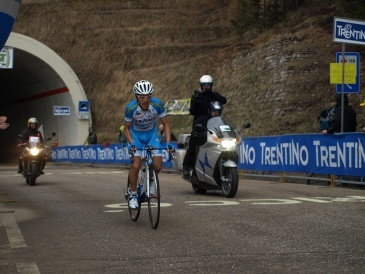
[221, 127]
[33, 141]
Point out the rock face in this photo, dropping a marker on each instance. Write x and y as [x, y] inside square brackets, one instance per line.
[277, 80]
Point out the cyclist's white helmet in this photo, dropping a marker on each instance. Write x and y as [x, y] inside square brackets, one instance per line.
[32, 120]
[143, 87]
[206, 79]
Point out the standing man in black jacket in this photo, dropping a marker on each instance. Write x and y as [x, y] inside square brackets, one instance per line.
[199, 106]
[349, 122]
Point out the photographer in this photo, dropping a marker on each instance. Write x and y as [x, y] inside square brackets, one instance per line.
[199, 106]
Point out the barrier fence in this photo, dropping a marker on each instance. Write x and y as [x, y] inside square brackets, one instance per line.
[338, 154]
[97, 154]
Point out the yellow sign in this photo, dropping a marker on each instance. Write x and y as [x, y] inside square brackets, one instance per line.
[178, 107]
[336, 73]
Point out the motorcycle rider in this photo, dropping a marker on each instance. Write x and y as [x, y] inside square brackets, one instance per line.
[199, 134]
[23, 138]
[140, 130]
[199, 106]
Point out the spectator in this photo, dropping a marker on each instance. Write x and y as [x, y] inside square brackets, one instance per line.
[53, 140]
[92, 138]
[121, 137]
[363, 105]
[3, 124]
[326, 117]
[349, 117]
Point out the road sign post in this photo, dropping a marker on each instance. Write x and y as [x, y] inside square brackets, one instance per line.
[84, 110]
[6, 58]
[61, 110]
[352, 32]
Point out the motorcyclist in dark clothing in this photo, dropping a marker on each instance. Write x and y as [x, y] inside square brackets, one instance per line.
[349, 119]
[23, 138]
[199, 106]
[201, 98]
[199, 136]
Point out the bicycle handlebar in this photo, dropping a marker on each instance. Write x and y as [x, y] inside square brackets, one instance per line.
[150, 149]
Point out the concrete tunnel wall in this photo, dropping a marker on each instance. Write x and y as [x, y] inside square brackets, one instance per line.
[40, 80]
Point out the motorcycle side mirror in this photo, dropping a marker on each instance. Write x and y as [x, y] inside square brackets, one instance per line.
[244, 126]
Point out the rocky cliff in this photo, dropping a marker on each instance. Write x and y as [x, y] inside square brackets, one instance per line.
[277, 79]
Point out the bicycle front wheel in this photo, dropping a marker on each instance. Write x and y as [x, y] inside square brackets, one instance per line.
[133, 212]
[153, 198]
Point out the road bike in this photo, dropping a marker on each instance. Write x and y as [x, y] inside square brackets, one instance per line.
[148, 187]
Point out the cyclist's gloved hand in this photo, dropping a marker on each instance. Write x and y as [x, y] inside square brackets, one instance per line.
[170, 147]
[131, 149]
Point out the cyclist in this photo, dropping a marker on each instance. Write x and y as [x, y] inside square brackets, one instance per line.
[140, 130]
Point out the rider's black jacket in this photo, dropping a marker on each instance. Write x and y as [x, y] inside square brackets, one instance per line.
[199, 103]
[26, 133]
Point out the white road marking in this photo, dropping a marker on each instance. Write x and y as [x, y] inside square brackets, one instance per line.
[314, 200]
[27, 268]
[271, 201]
[211, 203]
[120, 207]
[15, 236]
[297, 200]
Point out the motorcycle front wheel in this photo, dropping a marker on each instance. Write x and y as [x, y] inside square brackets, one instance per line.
[33, 173]
[230, 182]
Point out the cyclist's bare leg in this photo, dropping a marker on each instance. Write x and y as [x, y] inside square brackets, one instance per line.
[133, 172]
[157, 163]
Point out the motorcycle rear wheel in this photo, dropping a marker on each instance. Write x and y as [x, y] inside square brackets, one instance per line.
[195, 186]
[230, 184]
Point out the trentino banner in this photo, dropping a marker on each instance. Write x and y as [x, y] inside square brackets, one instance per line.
[97, 154]
[338, 154]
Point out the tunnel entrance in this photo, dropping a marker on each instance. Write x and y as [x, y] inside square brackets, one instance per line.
[39, 81]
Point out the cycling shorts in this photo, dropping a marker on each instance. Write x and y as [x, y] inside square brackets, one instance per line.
[143, 138]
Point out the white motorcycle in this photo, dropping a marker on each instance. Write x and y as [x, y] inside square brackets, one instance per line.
[217, 160]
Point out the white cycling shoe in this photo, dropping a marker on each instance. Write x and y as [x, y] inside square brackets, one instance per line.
[133, 202]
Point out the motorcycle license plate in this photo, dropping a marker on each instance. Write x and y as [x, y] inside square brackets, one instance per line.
[33, 139]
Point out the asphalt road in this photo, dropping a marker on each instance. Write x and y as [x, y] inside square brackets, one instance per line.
[75, 221]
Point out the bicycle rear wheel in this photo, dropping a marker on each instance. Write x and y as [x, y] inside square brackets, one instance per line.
[153, 198]
[133, 212]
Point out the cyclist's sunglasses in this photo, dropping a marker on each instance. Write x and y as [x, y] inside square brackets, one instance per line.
[144, 97]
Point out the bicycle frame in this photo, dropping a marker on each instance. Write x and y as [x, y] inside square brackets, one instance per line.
[145, 180]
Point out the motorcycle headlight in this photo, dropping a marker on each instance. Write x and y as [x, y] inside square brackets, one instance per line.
[34, 151]
[228, 143]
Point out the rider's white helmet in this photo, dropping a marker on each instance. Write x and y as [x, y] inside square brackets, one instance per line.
[206, 79]
[143, 87]
[32, 120]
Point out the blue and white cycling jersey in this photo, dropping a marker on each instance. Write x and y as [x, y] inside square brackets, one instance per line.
[143, 129]
[144, 120]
